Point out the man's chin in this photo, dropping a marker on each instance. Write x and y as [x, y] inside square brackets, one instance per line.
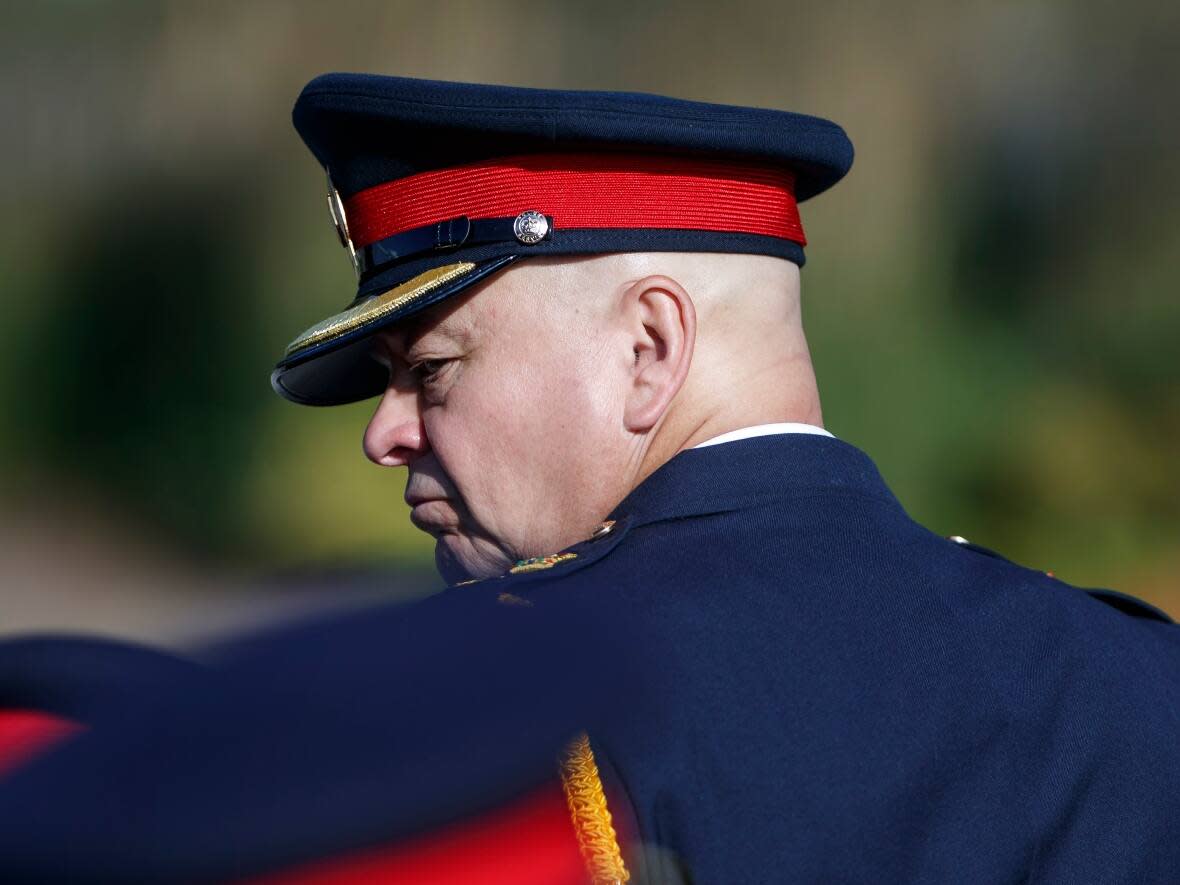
[457, 561]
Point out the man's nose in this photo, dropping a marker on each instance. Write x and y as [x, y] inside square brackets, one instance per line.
[395, 435]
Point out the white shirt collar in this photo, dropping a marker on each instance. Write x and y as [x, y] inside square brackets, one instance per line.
[762, 430]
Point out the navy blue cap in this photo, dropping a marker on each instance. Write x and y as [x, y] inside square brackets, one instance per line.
[435, 186]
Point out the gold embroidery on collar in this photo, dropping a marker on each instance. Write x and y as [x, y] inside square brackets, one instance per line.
[591, 818]
[537, 563]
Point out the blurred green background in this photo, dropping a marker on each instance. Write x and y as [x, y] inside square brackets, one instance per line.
[991, 294]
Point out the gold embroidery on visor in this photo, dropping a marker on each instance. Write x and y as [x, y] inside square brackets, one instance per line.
[372, 309]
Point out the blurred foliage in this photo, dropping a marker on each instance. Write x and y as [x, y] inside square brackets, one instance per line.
[991, 295]
[151, 321]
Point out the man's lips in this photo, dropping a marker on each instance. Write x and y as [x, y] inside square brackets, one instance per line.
[433, 515]
[415, 500]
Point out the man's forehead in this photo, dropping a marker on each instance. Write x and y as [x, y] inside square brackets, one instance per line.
[450, 321]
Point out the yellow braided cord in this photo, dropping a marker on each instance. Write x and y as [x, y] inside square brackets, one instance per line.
[591, 818]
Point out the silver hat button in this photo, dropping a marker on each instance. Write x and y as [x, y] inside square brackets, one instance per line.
[530, 227]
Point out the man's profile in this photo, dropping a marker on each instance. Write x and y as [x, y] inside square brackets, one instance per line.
[527, 409]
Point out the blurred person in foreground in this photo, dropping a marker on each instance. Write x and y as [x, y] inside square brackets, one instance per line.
[580, 316]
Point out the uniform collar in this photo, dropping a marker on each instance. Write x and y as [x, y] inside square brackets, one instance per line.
[716, 479]
[762, 430]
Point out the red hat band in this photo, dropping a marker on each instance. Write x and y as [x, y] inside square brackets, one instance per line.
[581, 191]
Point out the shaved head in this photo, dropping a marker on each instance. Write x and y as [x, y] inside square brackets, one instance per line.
[750, 362]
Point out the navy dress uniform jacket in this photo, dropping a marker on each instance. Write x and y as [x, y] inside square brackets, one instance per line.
[829, 692]
[853, 698]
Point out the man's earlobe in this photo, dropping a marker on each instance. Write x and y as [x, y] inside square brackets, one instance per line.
[663, 325]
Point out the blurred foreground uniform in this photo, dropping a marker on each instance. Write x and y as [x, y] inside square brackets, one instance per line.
[437, 743]
[52, 687]
[756, 669]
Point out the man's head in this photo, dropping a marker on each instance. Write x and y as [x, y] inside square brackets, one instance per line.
[527, 408]
[557, 292]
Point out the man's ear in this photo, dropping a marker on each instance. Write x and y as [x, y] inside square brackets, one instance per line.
[662, 323]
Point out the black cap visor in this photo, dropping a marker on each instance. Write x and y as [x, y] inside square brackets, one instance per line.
[332, 363]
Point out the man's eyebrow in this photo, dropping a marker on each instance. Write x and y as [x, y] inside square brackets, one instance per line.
[402, 337]
[447, 329]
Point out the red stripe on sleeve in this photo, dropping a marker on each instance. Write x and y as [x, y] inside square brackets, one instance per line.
[25, 733]
[530, 842]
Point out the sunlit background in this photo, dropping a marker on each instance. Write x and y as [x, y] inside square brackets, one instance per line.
[991, 294]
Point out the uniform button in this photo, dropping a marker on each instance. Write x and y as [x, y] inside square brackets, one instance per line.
[958, 539]
[530, 227]
[602, 530]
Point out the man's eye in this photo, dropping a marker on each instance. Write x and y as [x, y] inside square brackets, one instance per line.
[427, 370]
